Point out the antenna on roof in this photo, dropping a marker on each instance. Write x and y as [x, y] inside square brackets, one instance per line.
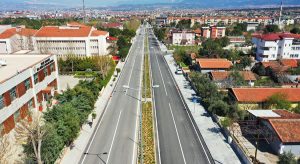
[83, 9]
[280, 14]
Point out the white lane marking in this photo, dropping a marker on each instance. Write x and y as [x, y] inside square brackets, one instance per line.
[161, 74]
[90, 144]
[183, 102]
[114, 136]
[177, 134]
[153, 99]
[154, 109]
[138, 111]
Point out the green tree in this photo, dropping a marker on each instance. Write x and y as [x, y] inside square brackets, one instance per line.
[278, 101]
[210, 48]
[236, 79]
[245, 61]
[271, 29]
[295, 30]
[219, 107]
[287, 158]
[224, 41]
[184, 24]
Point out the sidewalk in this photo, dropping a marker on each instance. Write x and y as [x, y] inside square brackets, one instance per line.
[220, 150]
[74, 155]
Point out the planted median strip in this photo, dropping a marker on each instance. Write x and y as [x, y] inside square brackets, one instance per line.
[148, 155]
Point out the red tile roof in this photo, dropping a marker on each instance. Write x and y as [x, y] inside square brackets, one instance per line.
[284, 114]
[111, 38]
[293, 63]
[8, 33]
[262, 94]
[21, 31]
[98, 33]
[276, 36]
[288, 130]
[218, 76]
[55, 31]
[208, 63]
[276, 66]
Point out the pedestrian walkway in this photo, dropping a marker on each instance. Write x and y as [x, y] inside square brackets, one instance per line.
[73, 155]
[220, 150]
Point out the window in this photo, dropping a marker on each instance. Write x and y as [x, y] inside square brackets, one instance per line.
[36, 78]
[1, 102]
[13, 94]
[45, 71]
[30, 104]
[17, 116]
[27, 84]
[52, 67]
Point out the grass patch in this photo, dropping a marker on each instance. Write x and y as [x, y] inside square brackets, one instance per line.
[146, 74]
[148, 136]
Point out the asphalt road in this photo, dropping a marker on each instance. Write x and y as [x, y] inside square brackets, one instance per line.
[178, 140]
[115, 140]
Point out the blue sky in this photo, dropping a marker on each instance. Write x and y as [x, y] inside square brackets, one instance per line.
[90, 2]
[97, 3]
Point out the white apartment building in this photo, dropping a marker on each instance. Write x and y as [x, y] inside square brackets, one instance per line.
[183, 38]
[26, 82]
[73, 39]
[277, 46]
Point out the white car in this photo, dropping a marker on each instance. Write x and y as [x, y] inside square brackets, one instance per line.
[178, 71]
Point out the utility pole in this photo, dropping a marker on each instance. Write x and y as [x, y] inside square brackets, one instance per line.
[83, 10]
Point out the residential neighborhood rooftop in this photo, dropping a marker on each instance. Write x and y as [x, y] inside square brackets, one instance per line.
[207, 63]
[222, 75]
[288, 130]
[262, 94]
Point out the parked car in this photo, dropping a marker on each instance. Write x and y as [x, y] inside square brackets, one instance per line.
[178, 71]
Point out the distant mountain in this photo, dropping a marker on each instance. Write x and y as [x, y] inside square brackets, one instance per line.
[238, 3]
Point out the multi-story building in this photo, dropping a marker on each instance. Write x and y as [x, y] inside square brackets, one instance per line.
[183, 37]
[275, 46]
[223, 20]
[13, 39]
[73, 39]
[26, 82]
[213, 32]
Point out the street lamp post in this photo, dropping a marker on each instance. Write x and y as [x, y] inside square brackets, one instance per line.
[97, 154]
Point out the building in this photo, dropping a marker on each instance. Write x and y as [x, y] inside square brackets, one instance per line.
[252, 26]
[281, 129]
[255, 98]
[206, 65]
[213, 32]
[222, 79]
[183, 37]
[26, 83]
[226, 20]
[72, 39]
[237, 40]
[13, 39]
[275, 46]
[217, 32]
[161, 20]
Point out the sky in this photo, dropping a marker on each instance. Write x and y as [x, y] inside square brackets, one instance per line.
[92, 3]
[99, 3]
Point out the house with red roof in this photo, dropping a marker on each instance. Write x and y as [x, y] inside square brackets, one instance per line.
[255, 98]
[280, 128]
[73, 39]
[223, 80]
[273, 46]
[13, 39]
[206, 65]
